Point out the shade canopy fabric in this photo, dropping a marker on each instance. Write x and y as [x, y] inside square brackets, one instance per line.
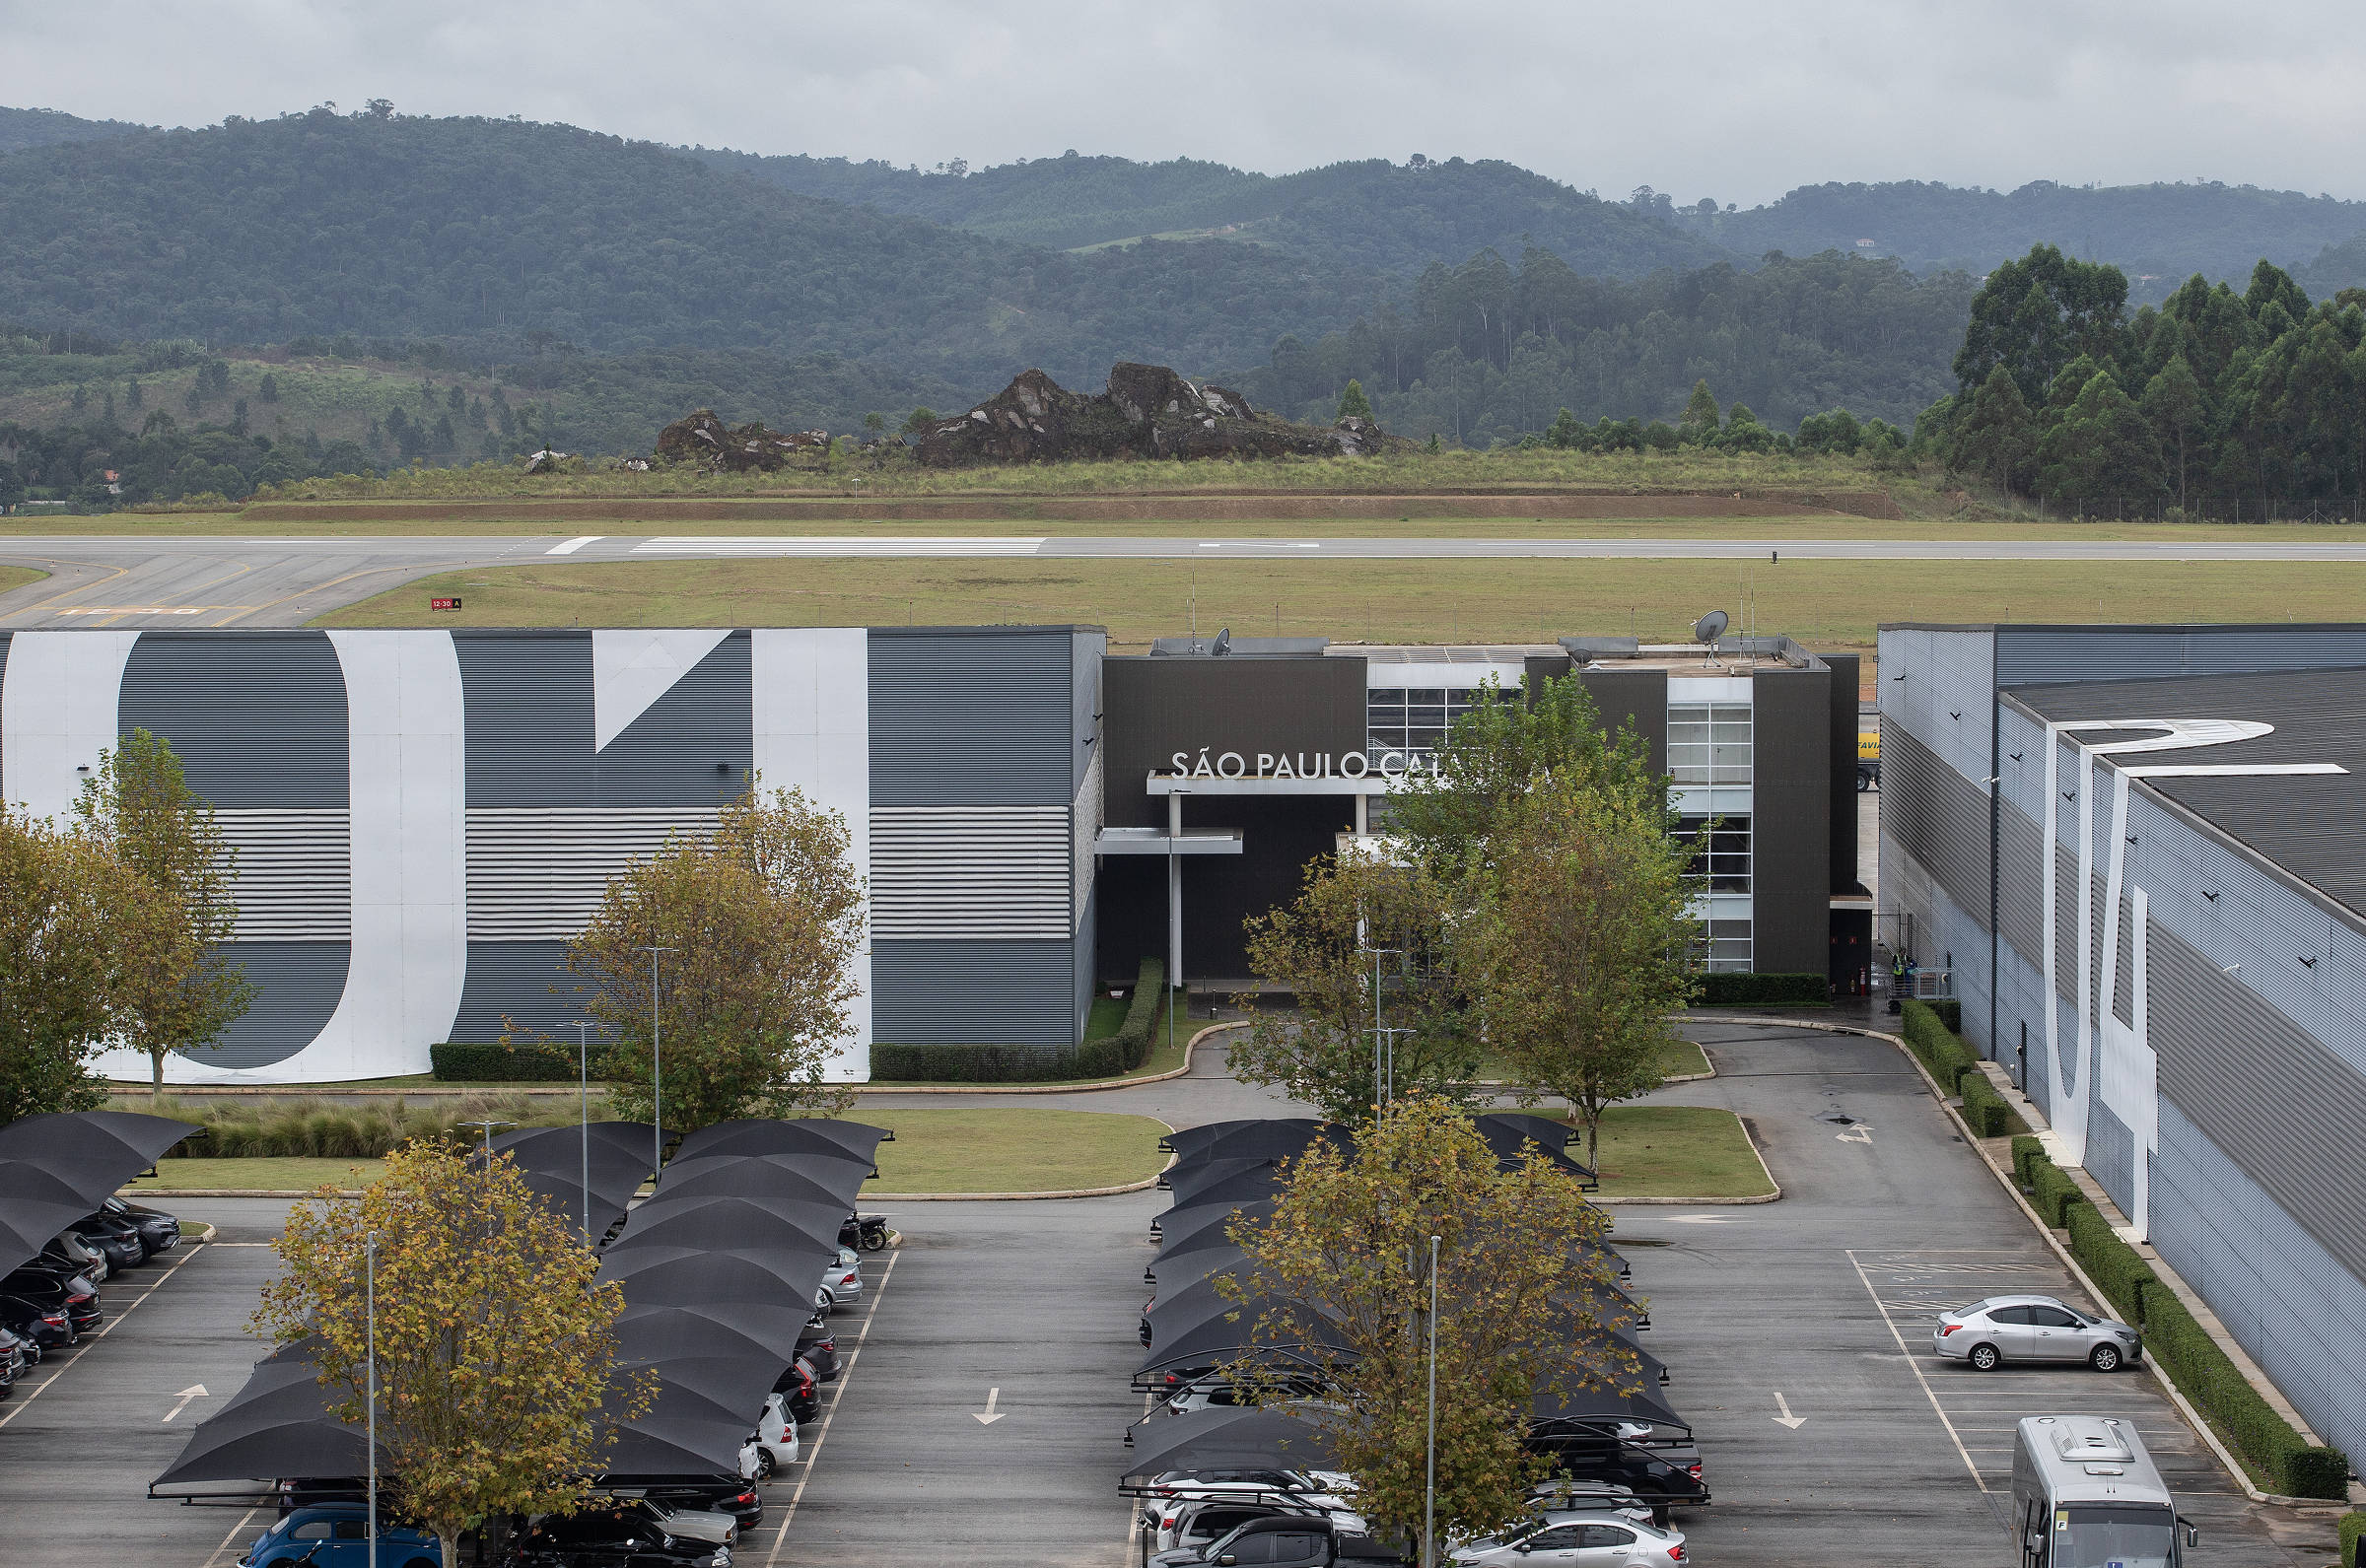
[1186, 1181]
[1184, 1230]
[276, 1426]
[552, 1161]
[1230, 1190]
[766, 1178]
[1220, 1337]
[1168, 1273]
[1270, 1140]
[1226, 1438]
[1604, 1407]
[1189, 1144]
[850, 1140]
[735, 1224]
[57, 1169]
[1194, 1302]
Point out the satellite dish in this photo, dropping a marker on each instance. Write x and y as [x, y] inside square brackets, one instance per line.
[1709, 626]
[1223, 643]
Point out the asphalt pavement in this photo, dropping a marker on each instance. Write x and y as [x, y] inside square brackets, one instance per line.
[214, 581]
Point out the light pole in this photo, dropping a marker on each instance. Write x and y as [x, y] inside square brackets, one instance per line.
[656, 1070]
[369, 1338]
[487, 1126]
[1430, 1485]
[1383, 1040]
[582, 1064]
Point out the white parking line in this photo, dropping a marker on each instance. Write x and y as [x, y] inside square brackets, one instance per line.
[100, 1332]
[811, 1454]
[1916, 1367]
[232, 1540]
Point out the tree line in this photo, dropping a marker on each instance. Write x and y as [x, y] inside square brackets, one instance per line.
[2210, 397]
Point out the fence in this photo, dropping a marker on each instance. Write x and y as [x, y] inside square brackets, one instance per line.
[2196, 509]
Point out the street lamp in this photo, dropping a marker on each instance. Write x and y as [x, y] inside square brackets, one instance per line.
[1384, 1063]
[583, 1063]
[656, 1076]
[1383, 1040]
[487, 1126]
[369, 1338]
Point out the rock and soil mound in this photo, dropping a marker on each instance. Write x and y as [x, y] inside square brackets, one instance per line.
[707, 442]
[1148, 411]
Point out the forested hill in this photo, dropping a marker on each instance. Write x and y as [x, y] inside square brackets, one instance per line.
[484, 232]
[1370, 216]
[46, 128]
[2169, 232]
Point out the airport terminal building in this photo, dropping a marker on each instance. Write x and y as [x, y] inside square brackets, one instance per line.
[2141, 853]
[424, 817]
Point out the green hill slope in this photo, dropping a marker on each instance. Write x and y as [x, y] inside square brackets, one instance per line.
[47, 127]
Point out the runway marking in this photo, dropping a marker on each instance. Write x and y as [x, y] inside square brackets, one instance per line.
[837, 545]
[810, 1455]
[572, 545]
[143, 609]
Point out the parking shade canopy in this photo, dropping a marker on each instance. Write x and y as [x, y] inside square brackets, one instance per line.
[1252, 1184]
[683, 1276]
[277, 1425]
[58, 1168]
[1183, 1230]
[552, 1160]
[1224, 1437]
[1169, 1274]
[765, 1179]
[755, 1329]
[1266, 1140]
[1602, 1409]
[1184, 1180]
[847, 1140]
[1214, 1340]
[1186, 1142]
[734, 1224]
[695, 1426]
[1193, 1302]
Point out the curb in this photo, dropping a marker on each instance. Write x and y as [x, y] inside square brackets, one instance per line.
[2234, 1467]
[1053, 1088]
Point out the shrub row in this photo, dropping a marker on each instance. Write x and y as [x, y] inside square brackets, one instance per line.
[2353, 1528]
[1726, 989]
[525, 1062]
[1935, 1044]
[1987, 1111]
[2206, 1374]
[1105, 1058]
[271, 1128]
[1950, 1013]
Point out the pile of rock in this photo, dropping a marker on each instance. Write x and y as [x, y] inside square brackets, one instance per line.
[707, 442]
[1148, 411]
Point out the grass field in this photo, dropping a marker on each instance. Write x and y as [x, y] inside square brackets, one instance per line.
[1835, 604]
[1675, 1151]
[1014, 1150]
[18, 577]
[1683, 1060]
[266, 1175]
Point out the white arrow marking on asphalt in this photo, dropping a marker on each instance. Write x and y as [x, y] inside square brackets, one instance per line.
[195, 1391]
[1704, 1219]
[1795, 1422]
[1862, 1133]
[989, 1419]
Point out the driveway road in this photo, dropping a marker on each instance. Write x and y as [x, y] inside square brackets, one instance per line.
[139, 581]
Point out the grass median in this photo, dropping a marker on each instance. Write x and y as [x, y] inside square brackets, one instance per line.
[1013, 1149]
[290, 1174]
[1677, 1151]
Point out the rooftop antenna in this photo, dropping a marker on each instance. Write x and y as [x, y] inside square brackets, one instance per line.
[1224, 642]
[1708, 629]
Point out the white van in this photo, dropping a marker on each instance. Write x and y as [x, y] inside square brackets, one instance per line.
[2086, 1495]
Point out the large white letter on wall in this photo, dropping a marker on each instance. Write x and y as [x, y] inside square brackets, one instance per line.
[58, 714]
[812, 694]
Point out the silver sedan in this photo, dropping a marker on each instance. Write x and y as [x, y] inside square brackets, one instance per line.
[2033, 1329]
[1581, 1539]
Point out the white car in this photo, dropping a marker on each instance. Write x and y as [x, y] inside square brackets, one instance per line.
[1167, 1516]
[841, 1282]
[1585, 1538]
[772, 1446]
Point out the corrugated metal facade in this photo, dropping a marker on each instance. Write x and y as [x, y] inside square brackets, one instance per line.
[2253, 983]
[935, 992]
[1790, 821]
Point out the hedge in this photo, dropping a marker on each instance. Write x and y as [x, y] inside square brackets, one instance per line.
[2353, 1527]
[1989, 1116]
[2118, 1270]
[1935, 1044]
[1105, 1057]
[458, 1063]
[1749, 989]
[2211, 1381]
[1950, 1013]
[2027, 1151]
[2053, 1194]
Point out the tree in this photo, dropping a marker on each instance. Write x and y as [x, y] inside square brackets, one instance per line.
[267, 389]
[1577, 954]
[2173, 406]
[1320, 949]
[177, 988]
[1353, 404]
[1997, 437]
[2034, 315]
[58, 966]
[1519, 1309]
[2102, 446]
[498, 1388]
[1701, 417]
[919, 419]
[761, 921]
[11, 486]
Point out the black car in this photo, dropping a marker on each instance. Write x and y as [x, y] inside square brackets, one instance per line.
[817, 1349]
[72, 1294]
[69, 1250]
[120, 1239]
[44, 1326]
[630, 1530]
[1280, 1541]
[159, 1231]
[15, 1356]
[798, 1390]
[708, 1494]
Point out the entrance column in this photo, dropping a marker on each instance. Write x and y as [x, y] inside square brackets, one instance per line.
[1174, 890]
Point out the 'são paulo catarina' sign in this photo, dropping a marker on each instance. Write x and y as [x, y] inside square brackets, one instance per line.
[1318, 764]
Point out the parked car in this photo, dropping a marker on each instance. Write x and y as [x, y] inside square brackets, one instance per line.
[1191, 1522]
[731, 1497]
[628, 1529]
[802, 1393]
[841, 1283]
[72, 1250]
[118, 1238]
[1278, 1540]
[44, 1326]
[2005, 1328]
[159, 1231]
[72, 1294]
[338, 1536]
[1564, 1496]
[16, 1355]
[775, 1438]
[817, 1349]
[1564, 1539]
[1310, 1492]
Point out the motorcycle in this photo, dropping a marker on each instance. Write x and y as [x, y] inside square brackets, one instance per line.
[867, 1231]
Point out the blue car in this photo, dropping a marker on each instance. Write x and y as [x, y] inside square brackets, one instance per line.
[336, 1536]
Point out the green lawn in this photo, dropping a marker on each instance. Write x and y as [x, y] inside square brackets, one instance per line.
[1679, 1061]
[272, 1175]
[1676, 1151]
[1014, 1150]
[18, 577]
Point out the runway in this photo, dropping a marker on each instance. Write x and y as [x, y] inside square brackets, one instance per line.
[146, 581]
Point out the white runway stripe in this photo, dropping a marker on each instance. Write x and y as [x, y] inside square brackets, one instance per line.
[572, 545]
[838, 545]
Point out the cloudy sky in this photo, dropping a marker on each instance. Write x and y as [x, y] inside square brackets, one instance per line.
[1739, 99]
